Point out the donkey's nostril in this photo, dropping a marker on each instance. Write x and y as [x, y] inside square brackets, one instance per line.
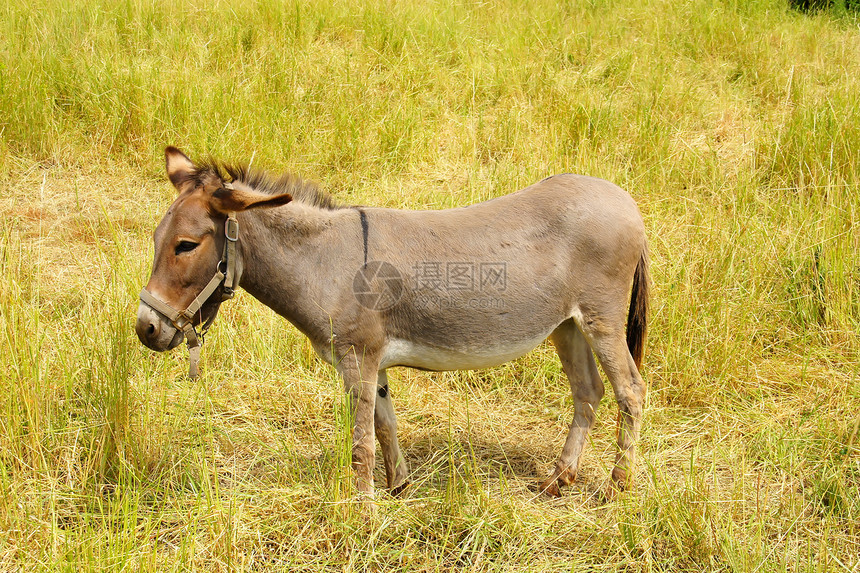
[149, 328]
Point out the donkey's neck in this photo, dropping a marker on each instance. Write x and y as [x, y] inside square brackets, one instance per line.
[298, 260]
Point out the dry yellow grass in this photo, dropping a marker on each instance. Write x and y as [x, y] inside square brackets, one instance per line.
[735, 126]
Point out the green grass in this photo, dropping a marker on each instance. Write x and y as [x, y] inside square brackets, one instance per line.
[735, 125]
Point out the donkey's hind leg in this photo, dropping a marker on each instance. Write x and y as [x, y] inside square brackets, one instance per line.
[587, 389]
[610, 346]
[385, 422]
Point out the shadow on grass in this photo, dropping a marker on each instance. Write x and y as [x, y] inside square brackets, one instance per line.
[438, 461]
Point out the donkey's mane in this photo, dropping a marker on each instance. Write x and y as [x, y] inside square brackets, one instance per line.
[302, 190]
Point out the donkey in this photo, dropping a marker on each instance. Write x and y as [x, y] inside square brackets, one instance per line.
[472, 287]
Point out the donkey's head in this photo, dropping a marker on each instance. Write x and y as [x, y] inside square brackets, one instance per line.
[190, 249]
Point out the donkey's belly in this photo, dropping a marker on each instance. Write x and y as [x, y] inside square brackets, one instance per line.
[399, 352]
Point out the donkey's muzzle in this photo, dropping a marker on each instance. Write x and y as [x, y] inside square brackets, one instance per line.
[155, 331]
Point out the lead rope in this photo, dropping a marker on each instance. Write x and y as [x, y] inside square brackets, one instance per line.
[194, 341]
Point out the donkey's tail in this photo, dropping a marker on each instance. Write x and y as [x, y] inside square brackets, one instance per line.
[637, 317]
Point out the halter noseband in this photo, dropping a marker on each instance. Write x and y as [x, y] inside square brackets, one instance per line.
[225, 274]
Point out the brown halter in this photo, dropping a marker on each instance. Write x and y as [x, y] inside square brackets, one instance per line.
[225, 274]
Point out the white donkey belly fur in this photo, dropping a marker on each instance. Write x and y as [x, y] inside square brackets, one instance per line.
[399, 352]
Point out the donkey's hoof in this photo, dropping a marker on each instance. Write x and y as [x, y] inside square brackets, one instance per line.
[401, 489]
[616, 488]
[620, 481]
[550, 489]
[609, 494]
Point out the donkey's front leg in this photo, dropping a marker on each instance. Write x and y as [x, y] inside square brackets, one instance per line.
[396, 469]
[359, 377]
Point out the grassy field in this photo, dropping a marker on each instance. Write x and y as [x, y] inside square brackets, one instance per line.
[734, 124]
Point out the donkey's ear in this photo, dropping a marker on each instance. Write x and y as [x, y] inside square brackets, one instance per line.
[231, 199]
[179, 168]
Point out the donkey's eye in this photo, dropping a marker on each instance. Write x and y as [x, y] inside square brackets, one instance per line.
[185, 246]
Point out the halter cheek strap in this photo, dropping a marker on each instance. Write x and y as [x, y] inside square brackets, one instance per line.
[183, 320]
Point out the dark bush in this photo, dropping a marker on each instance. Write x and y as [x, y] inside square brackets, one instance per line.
[821, 5]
